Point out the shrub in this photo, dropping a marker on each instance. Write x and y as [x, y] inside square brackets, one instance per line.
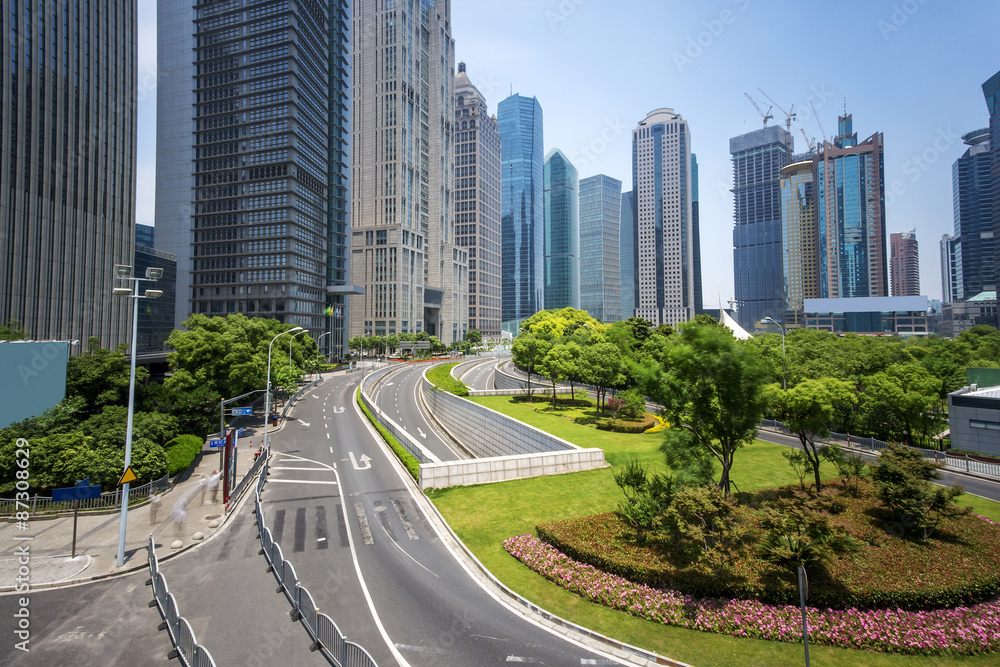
[407, 459]
[633, 404]
[646, 497]
[181, 452]
[903, 483]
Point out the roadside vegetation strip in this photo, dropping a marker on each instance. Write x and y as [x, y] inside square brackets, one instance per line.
[401, 453]
[181, 452]
[965, 630]
[440, 377]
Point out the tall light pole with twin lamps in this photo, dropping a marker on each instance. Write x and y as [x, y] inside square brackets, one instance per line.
[290, 347]
[318, 348]
[267, 390]
[784, 371]
[124, 272]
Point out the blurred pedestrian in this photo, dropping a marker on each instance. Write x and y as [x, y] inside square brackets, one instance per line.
[178, 515]
[202, 487]
[213, 484]
[154, 506]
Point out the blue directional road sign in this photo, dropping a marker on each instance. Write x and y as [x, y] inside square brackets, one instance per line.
[76, 493]
[217, 442]
[242, 411]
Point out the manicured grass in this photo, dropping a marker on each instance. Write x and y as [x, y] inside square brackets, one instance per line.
[440, 377]
[484, 516]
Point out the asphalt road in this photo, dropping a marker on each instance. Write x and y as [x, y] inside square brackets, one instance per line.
[358, 536]
[479, 374]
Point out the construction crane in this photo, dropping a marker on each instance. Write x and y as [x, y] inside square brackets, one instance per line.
[766, 116]
[789, 115]
[816, 116]
[811, 143]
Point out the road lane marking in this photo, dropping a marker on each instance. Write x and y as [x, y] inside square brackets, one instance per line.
[328, 437]
[366, 531]
[291, 468]
[401, 549]
[401, 511]
[302, 481]
[366, 462]
[422, 434]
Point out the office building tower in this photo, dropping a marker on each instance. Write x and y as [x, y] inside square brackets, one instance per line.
[145, 235]
[799, 240]
[403, 221]
[522, 197]
[951, 269]
[477, 202]
[628, 259]
[156, 316]
[850, 208]
[991, 91]
[696, 235]
[67, 168]
[758, 158]
[251, 159]
[562, 232]
[663, 219]
[601, 247]
[904, 263]
[972, 198]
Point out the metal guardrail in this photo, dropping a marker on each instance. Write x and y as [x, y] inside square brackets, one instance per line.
[324, 632]
[186, 647]
[107, 501]
[950, 462]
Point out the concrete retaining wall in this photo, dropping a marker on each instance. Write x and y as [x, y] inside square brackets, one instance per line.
[395, 429]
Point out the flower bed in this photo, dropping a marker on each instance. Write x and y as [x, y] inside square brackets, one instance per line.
[964, 630]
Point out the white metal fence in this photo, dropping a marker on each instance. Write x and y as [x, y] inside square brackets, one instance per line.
[107, 501]
[324, 632]
[186, 647]
[959, 462]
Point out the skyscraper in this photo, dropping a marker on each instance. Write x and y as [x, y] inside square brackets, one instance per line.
[629, 260]
[972, 197]
[254, 117]
[477, 202]
[522, 207]
[758, 158]
[67, 167]
[403, 214]
[562, 232]
[665, 230]
[600, 247]
[991, 91]
[850, 208]
[799, 240]
[951, 269]
[904, 263]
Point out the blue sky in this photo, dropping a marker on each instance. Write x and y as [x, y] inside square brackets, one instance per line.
[911, 69]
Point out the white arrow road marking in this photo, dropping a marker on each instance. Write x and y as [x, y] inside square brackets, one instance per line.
[302, 422]
[422, 434]
[366, 462]
[338, 410]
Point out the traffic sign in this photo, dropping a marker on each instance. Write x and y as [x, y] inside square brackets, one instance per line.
[242, 411]
[217, 442]
[128, 476]
[76, 493]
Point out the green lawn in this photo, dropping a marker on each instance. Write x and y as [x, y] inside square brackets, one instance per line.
[485, 515]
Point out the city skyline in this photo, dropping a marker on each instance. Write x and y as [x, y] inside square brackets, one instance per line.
[711, 56]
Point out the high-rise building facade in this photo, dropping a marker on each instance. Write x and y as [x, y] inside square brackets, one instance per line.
[627, 273]
[991, 91]
[951, 269]
[477, 202]
[251, 159]
[522, 208]
[758, 158]
[850, 209]
[403, 245]
[972, 198]
[904, 263]
[799, 240]
[663, 220]
[600, 247]
[67, 167]
[562, 232]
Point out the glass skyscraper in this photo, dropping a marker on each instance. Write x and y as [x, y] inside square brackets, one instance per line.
[991, 91]
[668, 284]
[799, 241]
[67, 167]
[758, 158]
[627, 274]
[904, 263]
[253, 115]
[477, 202]
[600, 247]
[850, 208]
[562, 232]
[522, 207]
[972, 196]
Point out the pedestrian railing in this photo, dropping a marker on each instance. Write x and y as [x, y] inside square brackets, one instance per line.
[960, 462]
[186, 647]
[107, 501]
[324, 632]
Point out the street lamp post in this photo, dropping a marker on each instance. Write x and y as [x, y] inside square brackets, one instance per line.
[290, 347]
[124, 272]
[267, 391]
[784, 372]
[318, 347]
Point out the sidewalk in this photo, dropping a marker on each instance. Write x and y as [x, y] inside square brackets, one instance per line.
[97, 534]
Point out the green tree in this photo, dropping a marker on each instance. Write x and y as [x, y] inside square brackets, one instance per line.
[528, 352]
[901, 403]
[101, 377]
[558, 364]
[903, 482]
[13, 330]
[474, 337]
[710, 386]
[647, 496]
[601, 365]
[808, 409]
[800, 536]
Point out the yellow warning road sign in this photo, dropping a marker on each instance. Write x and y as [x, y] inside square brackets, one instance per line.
[128, 476]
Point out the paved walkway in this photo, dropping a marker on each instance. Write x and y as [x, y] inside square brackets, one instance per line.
[51, 542]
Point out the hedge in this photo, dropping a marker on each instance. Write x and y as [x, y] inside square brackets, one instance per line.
[402, 454]
[181, 452]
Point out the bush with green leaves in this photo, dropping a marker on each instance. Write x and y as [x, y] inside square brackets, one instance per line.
[795, 534]
[850, 466]
[903, 479]
[701, 520]
[646, 496]
[799, 463]
[181, 452]
[633, 404]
